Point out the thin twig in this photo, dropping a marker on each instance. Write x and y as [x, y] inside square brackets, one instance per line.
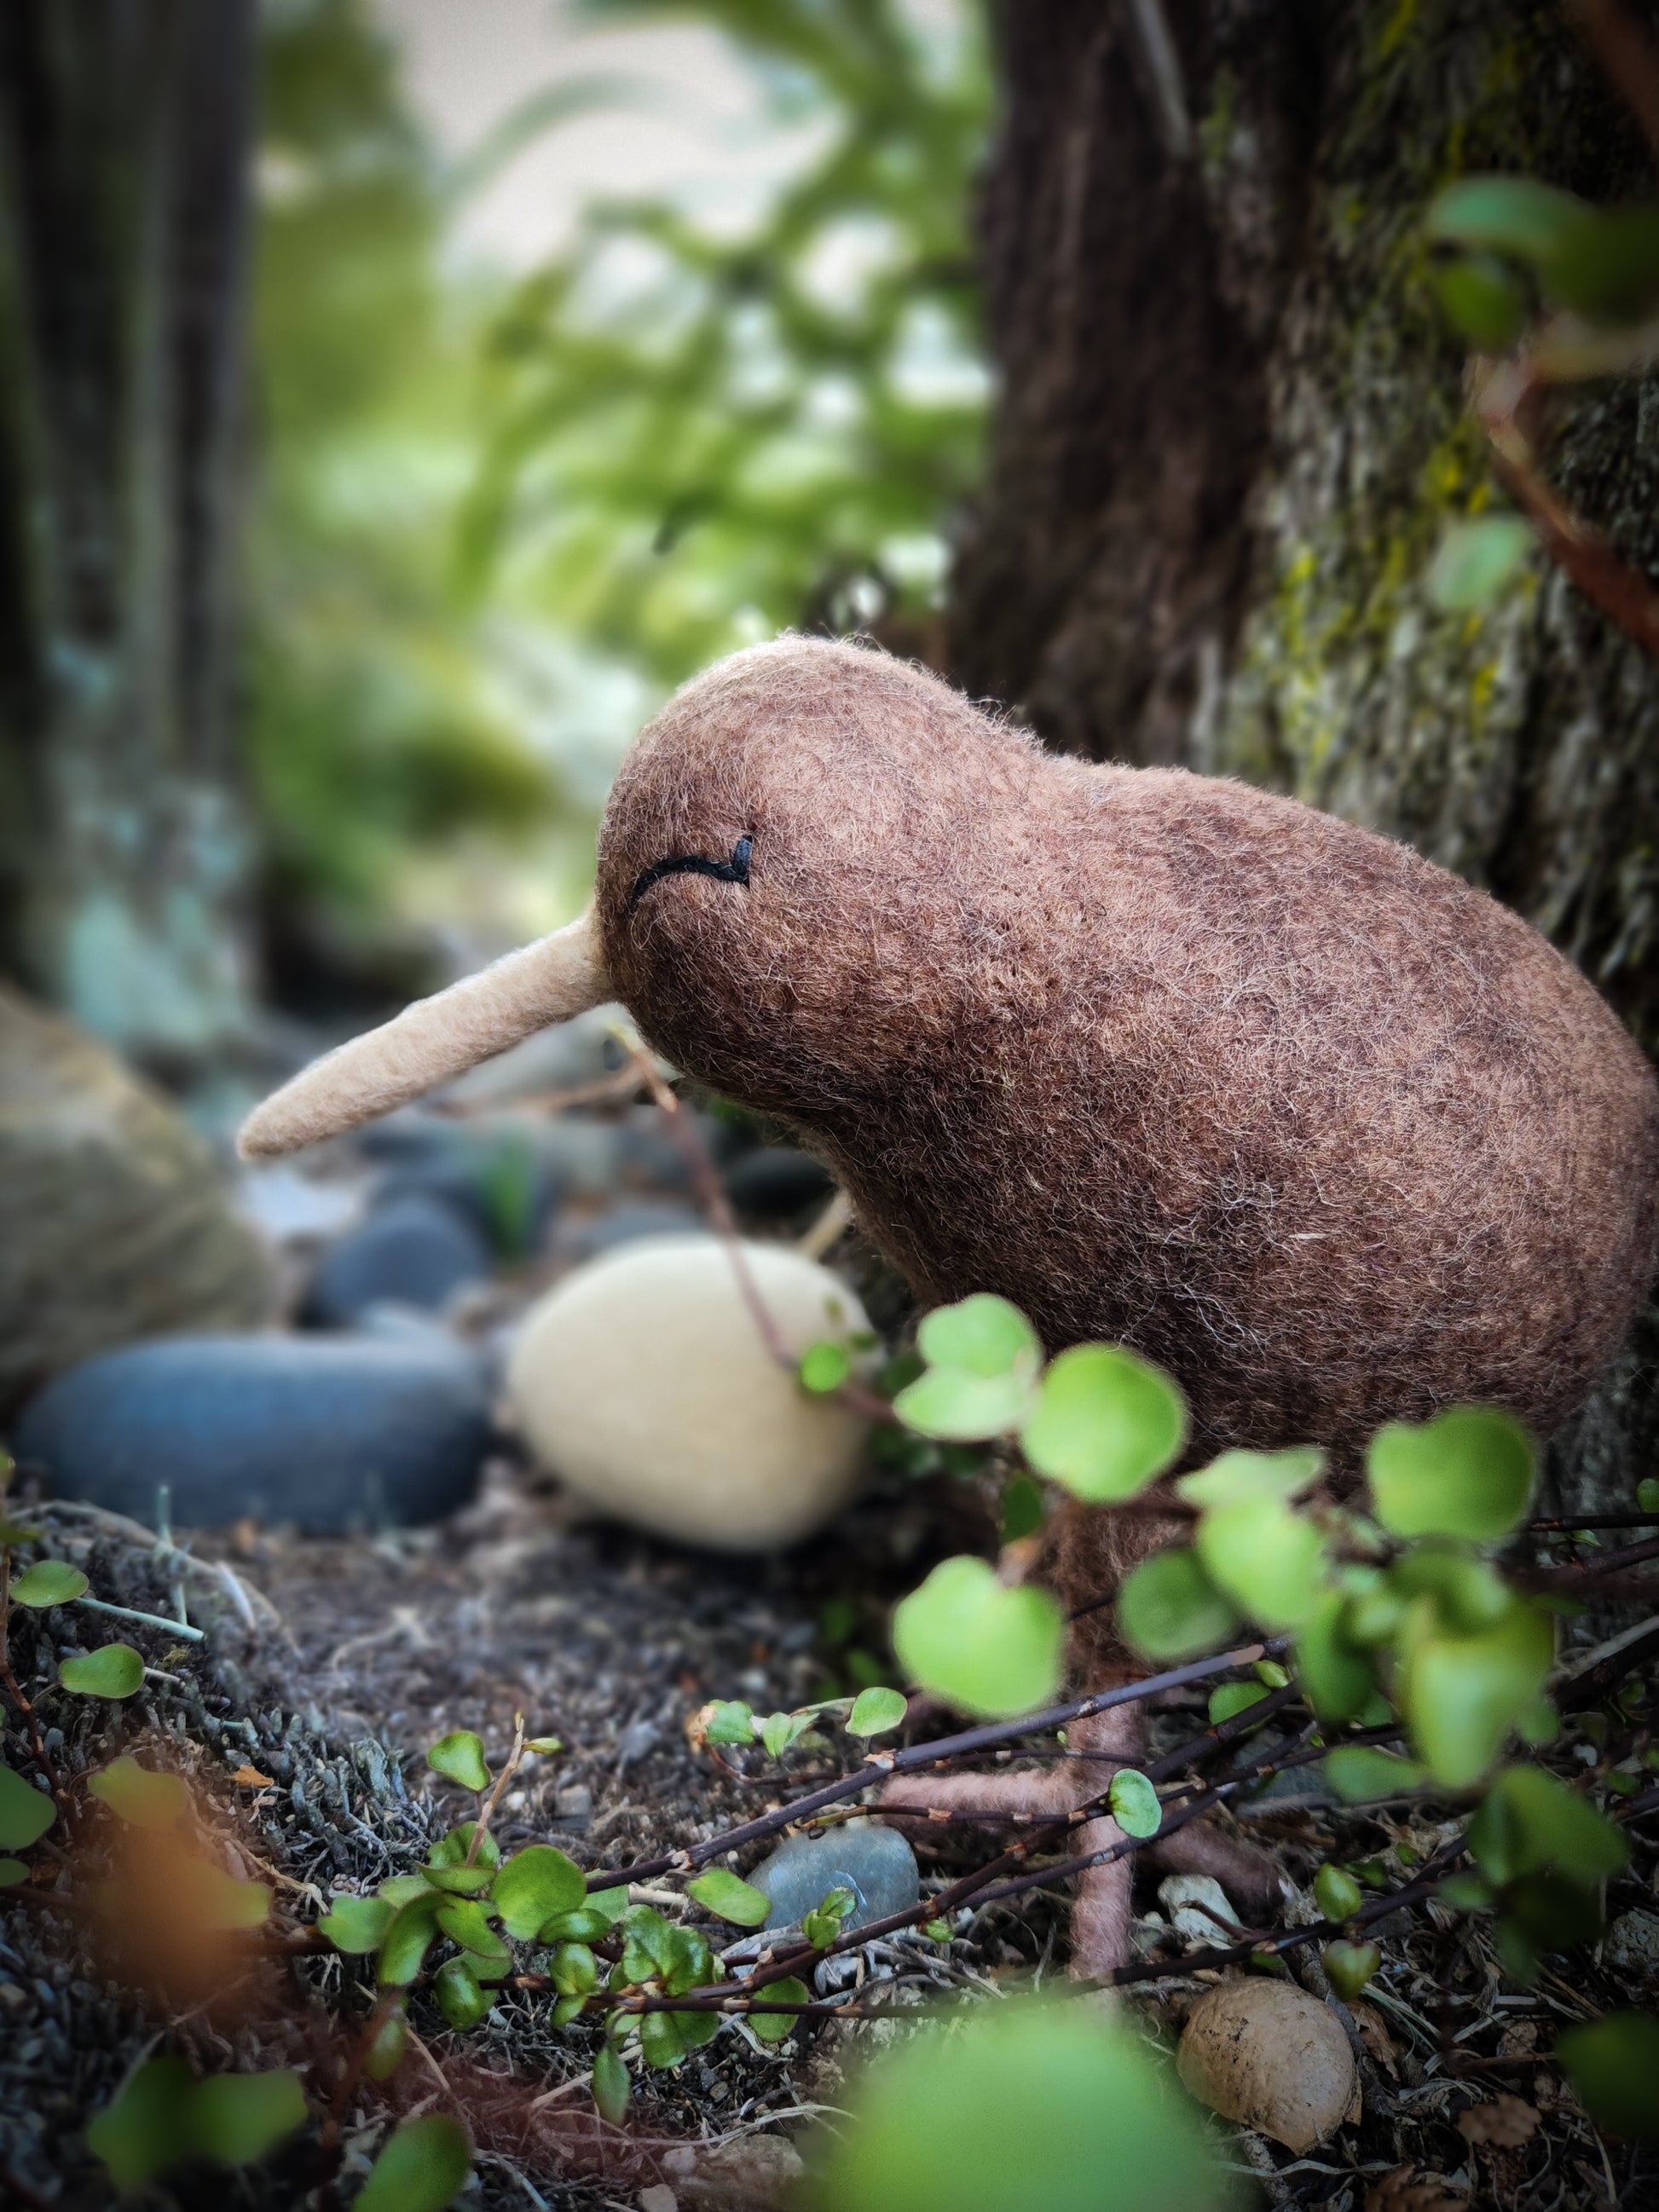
[884, 1764]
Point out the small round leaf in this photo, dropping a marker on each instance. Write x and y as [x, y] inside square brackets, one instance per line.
[1338, 1894]
[1466, 1473]
[1267, 1558]
[774, 2026]
[824, 1367]
[26, 1813]
[423, 2168]
[1350, 1967]
[533, 1885]
[610, 2086]
[1105, 1424]
[462, 1998]
[356, 1924]
[459, 1757]
[982, 1335]
[48, 1582]
[235, 2118]
[115, 1670]
[1134, 1803]
[1613, 2064]
[731, 1898]
[876, 1713]
[1236, 1474]
[984, 1648]
[1168, 1608]
[142, 1796]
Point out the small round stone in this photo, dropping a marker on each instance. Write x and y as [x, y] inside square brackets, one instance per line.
[1265, 2053]
[643, 1382]
[876, 1864]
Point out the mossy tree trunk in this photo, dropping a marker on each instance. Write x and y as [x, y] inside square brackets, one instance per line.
[124, 144]
[1232, 431]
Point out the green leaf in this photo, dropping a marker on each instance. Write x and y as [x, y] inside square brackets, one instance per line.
[141, 1795]
[1469, 1596]
[1338, 1894]
[401, 1889]
[459, 1757]
[461, 1997]
[824, 1368]
[823, 1924]
[876, 1712]
[143, 2130]
[980, 1335]
[1266, 1558]
[986, 1649]
[610, 2086]
[612, 1902]
[1531, 222]
[724, 1894]
[1168, 1608]
[465, 1921]
[1475, 561]
[546, 1746]
[1613, 2064]
[235, 2118]
[1021, 2107]
[1357, 1771]
[1462, 1696]
[661, 2043]
[534, 1885]
[731, 1721]
[1232, 1699]
[115, 1670]
[1647, 1493]
[461, 1881]
[1334, 1669]
[1482, 299]
[223, 1900]
[356, 1924]
[952, 1407]
[936, 1932]
[12, 1871]
[49, 1582]
[26, 1813]
[450, 1850]
[1466, 1473]
[423, 2168]
[1350, 1967]
[779, 1730]
[1105, 1424]
[584, 1925]
[1241, 1474]
[1023, 1510]
[408, 1939]
[776, 2027]
[1134, 1803]
[982, 1359]
[386, 2052]
[1465, 1892]
[576, 1971]
[1529, 1822]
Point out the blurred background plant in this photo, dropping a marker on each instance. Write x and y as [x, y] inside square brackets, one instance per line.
[503, 509]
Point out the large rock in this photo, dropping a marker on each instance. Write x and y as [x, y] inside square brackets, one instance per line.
[330, 1433]
[114, 1223]
[643, 1381]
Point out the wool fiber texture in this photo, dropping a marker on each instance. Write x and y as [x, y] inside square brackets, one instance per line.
[1162, 1059]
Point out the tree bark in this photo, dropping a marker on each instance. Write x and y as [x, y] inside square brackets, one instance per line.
[1232, 430]
[124, 155]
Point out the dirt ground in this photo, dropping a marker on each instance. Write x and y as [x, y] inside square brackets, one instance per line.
[329, 1667]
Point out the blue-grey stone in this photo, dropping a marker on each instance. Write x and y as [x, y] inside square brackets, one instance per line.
[414, 1251]
[876, 1864]
[331, 1433]
[627, 1224]
[776, 1183]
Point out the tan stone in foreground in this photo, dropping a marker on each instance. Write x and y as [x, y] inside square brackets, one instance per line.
[1267, 2054]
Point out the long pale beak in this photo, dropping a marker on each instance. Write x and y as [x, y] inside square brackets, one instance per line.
[433, 1041]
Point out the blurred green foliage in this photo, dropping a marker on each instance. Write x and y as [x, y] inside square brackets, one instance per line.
[665, 442]
[705, 437]
[377, 735]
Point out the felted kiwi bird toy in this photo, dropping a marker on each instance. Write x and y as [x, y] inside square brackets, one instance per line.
[1163, 1059]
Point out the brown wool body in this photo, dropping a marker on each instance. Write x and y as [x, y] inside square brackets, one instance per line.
[1163, 1059]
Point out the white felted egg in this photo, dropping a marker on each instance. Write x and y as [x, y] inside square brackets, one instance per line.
[642, 1381]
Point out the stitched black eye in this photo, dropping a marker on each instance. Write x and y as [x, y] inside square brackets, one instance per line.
[734, 871]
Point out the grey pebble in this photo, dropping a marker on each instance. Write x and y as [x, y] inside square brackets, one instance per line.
[876, 1864]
